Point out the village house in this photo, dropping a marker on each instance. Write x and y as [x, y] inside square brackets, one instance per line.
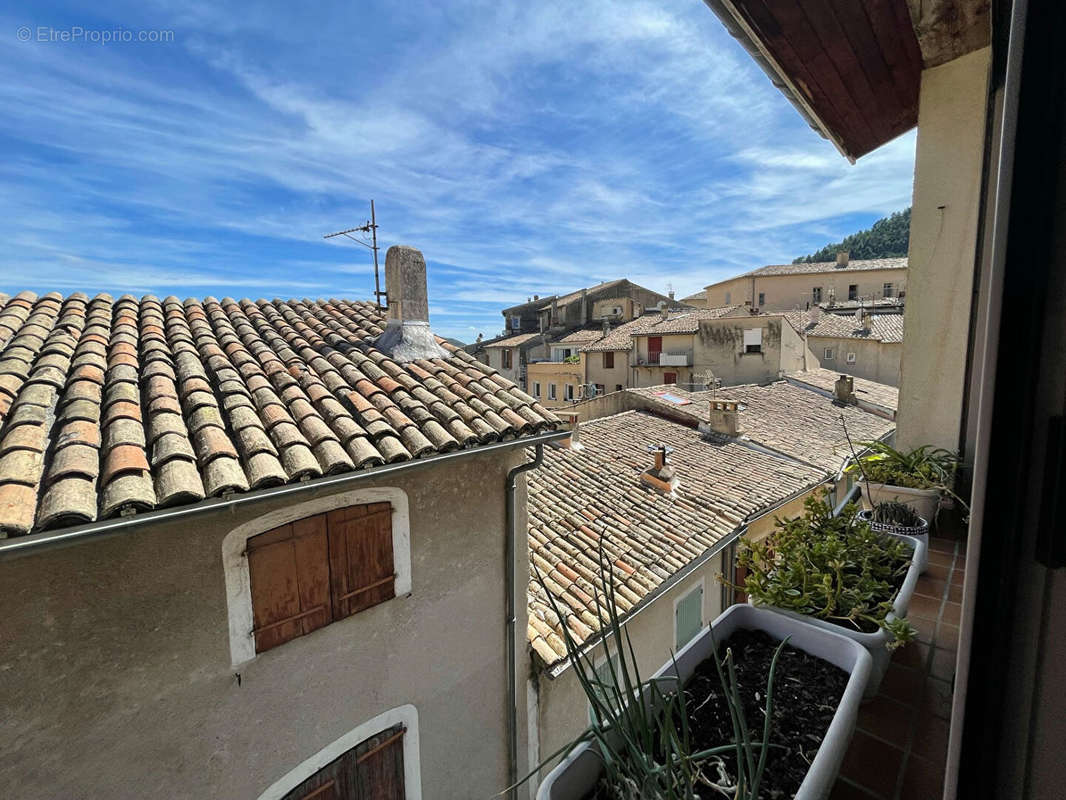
[864, 345]
[617, 301]
[734, 466]
[787, 287]
[256, 549]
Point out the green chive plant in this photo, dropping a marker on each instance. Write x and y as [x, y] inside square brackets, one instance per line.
[830, 567]
[646, 747]
[893, 512]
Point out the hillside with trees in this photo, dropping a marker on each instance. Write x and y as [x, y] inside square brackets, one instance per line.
[887, 238]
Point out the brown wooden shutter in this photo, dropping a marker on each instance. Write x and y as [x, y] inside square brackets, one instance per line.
[608, 360]
[379, 766]
[360, 553]
[288, 568]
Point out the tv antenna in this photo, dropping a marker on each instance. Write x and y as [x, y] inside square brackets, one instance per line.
[370, 227]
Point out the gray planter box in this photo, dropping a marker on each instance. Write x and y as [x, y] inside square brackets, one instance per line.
[876, 643]
[920, 532]
[924, 501]
[578, 773]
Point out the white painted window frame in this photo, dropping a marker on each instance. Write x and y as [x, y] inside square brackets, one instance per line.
[536, 388]
[699, 585]
[412, 778]
[850, 358]
[551, 391]
[568, 391]
[235, 557]
[828, 354]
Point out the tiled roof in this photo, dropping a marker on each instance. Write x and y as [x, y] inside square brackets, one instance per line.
[880, 394]
[855, 265]
[573, 297]
[581, 336]
[579, 498]
[878, 327]
[684, 321]
[790, 419]
[111, 406]
[511, 341]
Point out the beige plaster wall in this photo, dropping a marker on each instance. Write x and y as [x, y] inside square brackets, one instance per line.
[719, 349]
[874, 360]
[610, 378]
[118, 681]
[558, 372]
[944, 222]
[495, 359]
[788, 292]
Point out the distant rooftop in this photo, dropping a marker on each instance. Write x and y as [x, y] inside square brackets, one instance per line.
[855, 265]
[880, 327]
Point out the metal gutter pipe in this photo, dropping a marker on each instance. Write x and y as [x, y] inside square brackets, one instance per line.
[22, 545]
[510, 582]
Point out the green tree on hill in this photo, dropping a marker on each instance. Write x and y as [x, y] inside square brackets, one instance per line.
[887, 238]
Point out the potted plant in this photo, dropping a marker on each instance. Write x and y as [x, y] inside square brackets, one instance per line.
[918, 477]
[732, 714]
[839, 574]
[899, 519]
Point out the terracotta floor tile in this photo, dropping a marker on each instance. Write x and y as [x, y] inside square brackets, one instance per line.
[952, 613]
[930, 587]
[955, 593]
[925, 628]
[957, 577]
[936, 698]
[947, 636]
[938, 557]
[931, 738]
[886, 719]
[872, 764]
[924, 606]
[940, 544]
[923, 780]
[937, 571]
[943, 664]
[903, 684]
[845, 790]
[913, 655]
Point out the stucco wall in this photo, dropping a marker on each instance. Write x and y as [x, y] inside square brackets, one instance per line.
[118, 680]
[874, 360]
[788, 292]
[944, 221]
[610, 378]
[558, 372]
[495, 359]
[562, 704]
[719, 349]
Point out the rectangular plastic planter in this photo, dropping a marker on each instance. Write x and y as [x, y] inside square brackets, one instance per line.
[876, 643]
[578, 773]
[923, 501]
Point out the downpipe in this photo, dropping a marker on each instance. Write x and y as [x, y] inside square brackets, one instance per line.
[511, 583]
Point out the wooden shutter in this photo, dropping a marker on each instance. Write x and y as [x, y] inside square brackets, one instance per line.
[372, 770]
[608, 360]
[288, 568]
[360, 555]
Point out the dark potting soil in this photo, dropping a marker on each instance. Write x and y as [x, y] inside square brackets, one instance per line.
[807, 691]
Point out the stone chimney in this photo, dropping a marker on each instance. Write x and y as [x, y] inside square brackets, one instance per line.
[661, 476]
[844, 389]
[862, 317]
[842, 258]
[815, 314]
[407, 336]
[725, 417]
[573, 424]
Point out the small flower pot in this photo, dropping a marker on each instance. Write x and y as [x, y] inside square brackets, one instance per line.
[920, 532]
[579, 772]
[924, 501]
[876, 643]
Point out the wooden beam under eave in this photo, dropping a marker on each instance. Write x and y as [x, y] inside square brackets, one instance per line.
[948, 29]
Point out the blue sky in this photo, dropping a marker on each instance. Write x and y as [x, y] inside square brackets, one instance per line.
[524, 147]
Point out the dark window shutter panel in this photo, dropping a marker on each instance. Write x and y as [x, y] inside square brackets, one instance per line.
[288, 570]
[380, 766]
[361, 563]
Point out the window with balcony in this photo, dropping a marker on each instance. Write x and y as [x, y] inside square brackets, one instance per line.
[317, 570]
[608, 360]
[655, 349]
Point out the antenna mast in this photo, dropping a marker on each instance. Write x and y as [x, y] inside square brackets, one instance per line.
[371, 227]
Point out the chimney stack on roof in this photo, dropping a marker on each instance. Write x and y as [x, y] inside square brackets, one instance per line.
[862, 316]
[572, 420]
[844, 389]
[407, 336]
[724, 417]
[661, 476]
[842, 258]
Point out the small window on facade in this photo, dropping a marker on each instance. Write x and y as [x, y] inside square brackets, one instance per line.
[516, 322]
[688, 617]
[373, 768]
[816, 294]
[608, 360]
[850, 358]
[853, 291]
[507, 359]
[753, 340]
[728, 299]
[618, 387]
[600, 388]
[829, 354]
[762, 299]
[669, 377]
[536, 388]
[551, 391]
[568, 391]
[887, 290]
[317, 570]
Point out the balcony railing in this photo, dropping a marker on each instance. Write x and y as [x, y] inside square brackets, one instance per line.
[673, 358]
